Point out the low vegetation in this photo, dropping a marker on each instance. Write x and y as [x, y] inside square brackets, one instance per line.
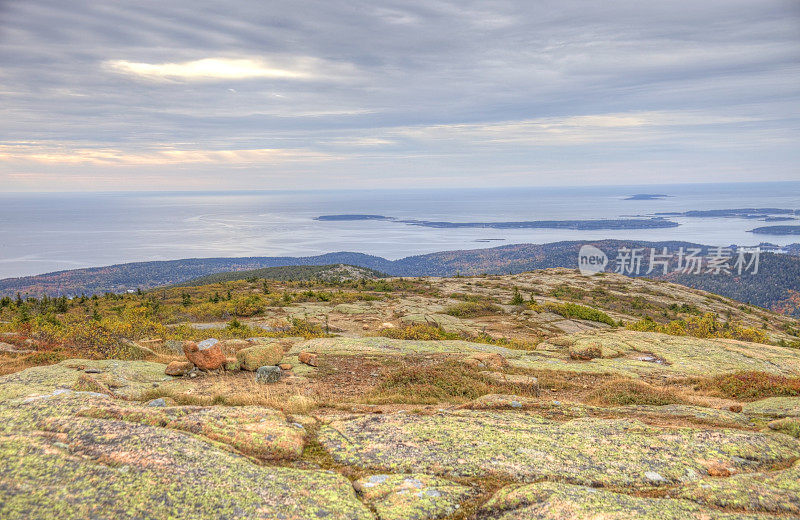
[448, 381]
[471, 309]
[622, 392]
[751, 385]
[707, 326]
[580, 312]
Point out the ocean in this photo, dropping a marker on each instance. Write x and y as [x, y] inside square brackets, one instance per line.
[46, 232]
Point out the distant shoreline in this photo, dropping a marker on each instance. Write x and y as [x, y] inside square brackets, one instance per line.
[599, 224]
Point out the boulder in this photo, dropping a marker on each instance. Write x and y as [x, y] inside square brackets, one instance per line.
[206, 355]
[308, 358]
[179, 368]
[251, 358]
[268, 374]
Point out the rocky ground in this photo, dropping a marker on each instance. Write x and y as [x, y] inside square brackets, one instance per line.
[563, 419]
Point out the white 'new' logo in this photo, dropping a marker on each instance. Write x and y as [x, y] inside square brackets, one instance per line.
[591, 260]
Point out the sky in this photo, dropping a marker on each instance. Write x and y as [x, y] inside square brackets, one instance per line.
[200, 95]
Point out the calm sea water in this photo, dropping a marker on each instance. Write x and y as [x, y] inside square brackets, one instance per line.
[47, 232]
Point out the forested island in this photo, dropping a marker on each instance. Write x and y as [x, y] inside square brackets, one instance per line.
[637, 223]
[776, 230]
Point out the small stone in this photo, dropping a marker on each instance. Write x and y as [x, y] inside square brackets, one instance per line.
[308, 358]
[737, 408]
[490, 360]
[285, 366]
[178, 368]
[157, 403]
[654, 477]
[93, 371]
[716, 469]
[268, 374]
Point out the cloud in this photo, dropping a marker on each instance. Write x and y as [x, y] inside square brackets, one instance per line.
[205, 69]
[491, 90]
[40, 153]
[210, 69]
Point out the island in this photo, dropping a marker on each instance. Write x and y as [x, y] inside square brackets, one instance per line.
[776, 230]
[599, 224]
[734, 213]
[352, 217]
[646, 196]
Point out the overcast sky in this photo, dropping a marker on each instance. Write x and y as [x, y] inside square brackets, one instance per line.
[194, 94]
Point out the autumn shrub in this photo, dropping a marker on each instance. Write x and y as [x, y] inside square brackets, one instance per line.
[706, 326]
[419, 332]
[621, 392]
[751, 385]
[580, 312]
[586, 354]
[472, 309]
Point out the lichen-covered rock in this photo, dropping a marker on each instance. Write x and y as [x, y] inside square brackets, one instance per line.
[123, 378]
[772, 491]
[648, 353]
[377, 346]
[206, 355]
[260, 432]
[697, 414]
[107, 468]
[774, 407]
[411, 497]
[597, 452]
[787, 425]
[556, 501]
[270, 374]
[178, 368]
[251, 358]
